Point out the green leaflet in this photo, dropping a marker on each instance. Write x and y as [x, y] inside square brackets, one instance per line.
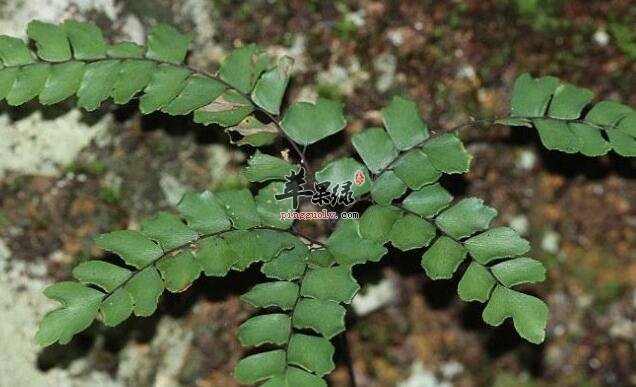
[529, 314]
[263, 167]
[320, 258]
[14, 52]
[126, 50]
[403, 123]
[269, 208]
[628, 124]
[103, 274]
[269, 328]
[324, 317]
[198, 91]
[270, 87]
[330, 284]
[7, 78]
[387, 187]
[240, 207]
[116, 308]
[447, 154]
[295, 377]
[607, 113]
[530, 97]
[145, 288]
[260, 366]
[86, 40]
[63, 82]
[349, 247]
[339, 171]
[97, 83]
[166, 83]
[428, 201]
[519, 271]
[416, 169]
[179, 271]
[133, 77]
[289, 264]
[168, 230]
[325, 118]
[314, 354]
[248, 248]
[411, 232]
[227, 110]
[476, 283]
[257, 245]
[50, 41]
[591, 141]
[375, 147]
[376, 222]
[568, 101]
[623, 138]
[166, 44]
[216, 257]
[243, 66]
[203, 212]
[281, 294]
[499, 242]
[557, 135]
[79, 308]
[132, 246]
[443, 258]
[624, 144]
[28, 83]
[466, 218]
[254, 132]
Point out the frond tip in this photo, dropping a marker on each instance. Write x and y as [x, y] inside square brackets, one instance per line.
[311, 301]
[561, 114]
[426, 218]
[211, 235]
[74, 59]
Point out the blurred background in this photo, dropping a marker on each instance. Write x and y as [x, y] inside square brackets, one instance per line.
[66, 176]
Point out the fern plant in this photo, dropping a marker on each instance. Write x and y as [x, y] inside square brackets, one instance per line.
[301, 308]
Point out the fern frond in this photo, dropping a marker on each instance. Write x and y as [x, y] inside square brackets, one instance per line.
[74, 59]
[446, 240]
[213, 234]
[302, 305]
[307, 297]
[425, 219]
[559, 111]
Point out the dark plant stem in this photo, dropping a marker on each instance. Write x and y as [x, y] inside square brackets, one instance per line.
[344, 345]
[309, 238]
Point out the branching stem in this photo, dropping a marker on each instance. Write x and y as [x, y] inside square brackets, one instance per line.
[273, 118]
[194, 243]
[488, 122]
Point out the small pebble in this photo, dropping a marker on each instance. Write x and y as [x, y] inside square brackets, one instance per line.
[601, 37]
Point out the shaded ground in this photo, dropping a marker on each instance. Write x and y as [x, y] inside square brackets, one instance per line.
[457, 60]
